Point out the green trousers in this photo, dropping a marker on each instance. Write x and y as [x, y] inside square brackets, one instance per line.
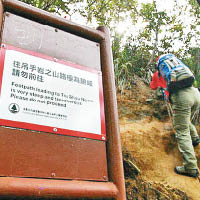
[184, 103]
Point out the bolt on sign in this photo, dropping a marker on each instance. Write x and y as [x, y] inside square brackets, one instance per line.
[59, 134]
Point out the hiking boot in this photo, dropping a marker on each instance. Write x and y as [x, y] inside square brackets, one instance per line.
[196, 142]
[191, 172]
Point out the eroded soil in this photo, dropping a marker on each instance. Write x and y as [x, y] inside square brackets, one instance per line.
[148, 141]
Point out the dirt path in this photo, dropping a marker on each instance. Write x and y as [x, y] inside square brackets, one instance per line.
[153, 146]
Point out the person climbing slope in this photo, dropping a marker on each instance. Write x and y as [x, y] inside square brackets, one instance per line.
[185, 101]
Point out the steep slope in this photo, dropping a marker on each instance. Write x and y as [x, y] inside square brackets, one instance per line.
[148, 141]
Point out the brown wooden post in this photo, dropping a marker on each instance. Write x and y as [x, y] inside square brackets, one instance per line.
[1, 16]
[115, 164]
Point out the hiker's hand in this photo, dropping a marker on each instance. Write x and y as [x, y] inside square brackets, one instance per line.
[162, 91]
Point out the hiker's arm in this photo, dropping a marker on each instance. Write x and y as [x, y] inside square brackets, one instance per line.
[154, 82]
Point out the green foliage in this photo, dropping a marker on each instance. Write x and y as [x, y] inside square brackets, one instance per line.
[193, 61]
[162, 32]
[54, 6]
[129, 62]
[103, 11]
[195, 8]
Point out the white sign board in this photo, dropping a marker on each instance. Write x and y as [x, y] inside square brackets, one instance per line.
[44, 94]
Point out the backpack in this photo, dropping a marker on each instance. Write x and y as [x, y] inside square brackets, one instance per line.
[175, 72]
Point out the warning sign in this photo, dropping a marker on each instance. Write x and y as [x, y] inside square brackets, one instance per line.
[45, 94]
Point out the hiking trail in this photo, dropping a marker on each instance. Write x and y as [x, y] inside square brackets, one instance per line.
[148, 141]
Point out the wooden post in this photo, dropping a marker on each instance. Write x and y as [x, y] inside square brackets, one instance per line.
[115, 164]
[1, 17]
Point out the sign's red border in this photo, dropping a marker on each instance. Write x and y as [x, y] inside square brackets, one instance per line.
[49, 129]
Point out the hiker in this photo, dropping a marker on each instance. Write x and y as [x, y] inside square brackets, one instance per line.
[185, 101]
